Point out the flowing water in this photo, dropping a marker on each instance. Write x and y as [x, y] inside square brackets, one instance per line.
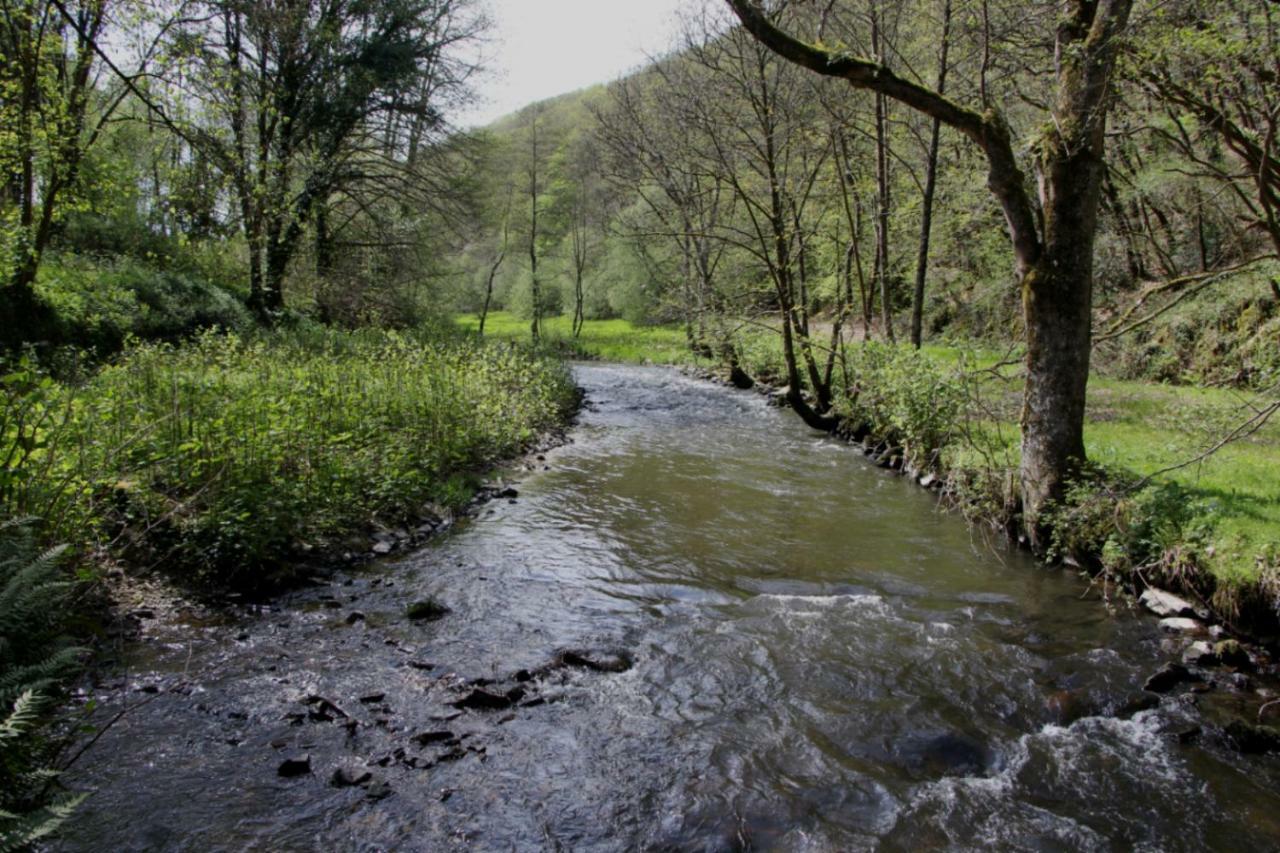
[823, 660]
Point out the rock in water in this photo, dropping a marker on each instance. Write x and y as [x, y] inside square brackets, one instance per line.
[1231, 653]
[1168, 677]
[293, 767]
[345, 777]
[1200, 653]
[597, 661]
[739, 378]
[1252, 739]
[1181, 625]
[1163, 603]
[427, 610]
[483, 700]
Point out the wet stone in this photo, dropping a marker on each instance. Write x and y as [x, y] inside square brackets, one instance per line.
[1200, 653]
[426, 610]
[345, 777]
[426, 738]
[485, 700]
[293, 767]
[597, 661]
[1168, 677]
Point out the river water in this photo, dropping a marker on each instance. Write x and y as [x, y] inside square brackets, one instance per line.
[823, 660]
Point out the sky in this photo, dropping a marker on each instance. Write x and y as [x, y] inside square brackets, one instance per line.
[542, 48]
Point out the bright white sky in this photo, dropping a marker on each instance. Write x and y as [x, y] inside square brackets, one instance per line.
[542, 48]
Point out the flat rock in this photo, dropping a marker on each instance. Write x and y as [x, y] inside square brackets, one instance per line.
[1163, 603]
[1181, 625]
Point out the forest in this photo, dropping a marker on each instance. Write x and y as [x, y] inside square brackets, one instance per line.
[263, 298]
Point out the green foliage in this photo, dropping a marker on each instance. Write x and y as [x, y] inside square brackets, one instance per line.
[904, 397]
[34, 656]
[227, 457]
[1159, 529]
[100, 304]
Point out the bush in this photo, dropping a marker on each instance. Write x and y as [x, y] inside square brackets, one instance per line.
[101, 304]
[904, 397]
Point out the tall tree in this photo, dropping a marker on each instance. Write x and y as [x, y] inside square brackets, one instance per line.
[1052, 235]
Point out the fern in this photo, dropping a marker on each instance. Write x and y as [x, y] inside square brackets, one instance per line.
[35, 658]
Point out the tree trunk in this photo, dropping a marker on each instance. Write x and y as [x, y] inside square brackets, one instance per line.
[930, 187]
[882, 217]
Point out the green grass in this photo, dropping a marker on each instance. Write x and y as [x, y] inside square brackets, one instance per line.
[609, 340]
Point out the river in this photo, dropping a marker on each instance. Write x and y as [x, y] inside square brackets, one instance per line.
[815, 656]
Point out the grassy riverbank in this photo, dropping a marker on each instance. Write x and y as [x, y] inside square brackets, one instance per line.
[226, 459]
[1211, 527]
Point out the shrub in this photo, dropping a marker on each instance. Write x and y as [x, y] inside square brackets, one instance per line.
[904, 397]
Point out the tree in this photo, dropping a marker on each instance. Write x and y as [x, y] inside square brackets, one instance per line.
[47, 101]
[930, 188]
[533, 185]
[1052, 236]
[286, 87]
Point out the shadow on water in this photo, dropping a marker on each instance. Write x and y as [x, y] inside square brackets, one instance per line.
[703, 628]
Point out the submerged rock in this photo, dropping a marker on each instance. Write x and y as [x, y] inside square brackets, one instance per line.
[596, 661]
[294, 767]
[345, 777]
[427, 610]
[1252, 739]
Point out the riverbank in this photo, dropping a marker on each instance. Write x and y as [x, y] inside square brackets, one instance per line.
[1208, 530]
[229, 465]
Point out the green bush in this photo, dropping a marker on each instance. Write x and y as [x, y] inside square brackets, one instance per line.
[101, 304]
[904, 397]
